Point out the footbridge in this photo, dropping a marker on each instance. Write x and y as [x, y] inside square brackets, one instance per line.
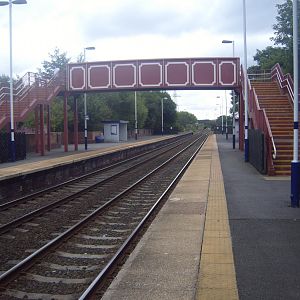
[161, 74]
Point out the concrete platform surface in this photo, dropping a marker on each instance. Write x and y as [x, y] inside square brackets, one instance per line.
[265, 229]
[58, 157]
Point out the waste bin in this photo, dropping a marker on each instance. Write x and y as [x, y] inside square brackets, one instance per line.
[99, 139]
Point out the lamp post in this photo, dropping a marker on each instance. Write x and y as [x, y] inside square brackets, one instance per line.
[295, 165]
[229, 42]
[11, 96]
[245, 83]
[226, 124]
[135, 117]
[222, 117]
[233, 119]
[85, 109]
[233, 98]
[218, 97]
[162, 115]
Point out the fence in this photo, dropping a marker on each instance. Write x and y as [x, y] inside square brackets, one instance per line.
[20, 144]
[257, 156]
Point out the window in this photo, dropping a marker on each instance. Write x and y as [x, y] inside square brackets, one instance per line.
[114, 129]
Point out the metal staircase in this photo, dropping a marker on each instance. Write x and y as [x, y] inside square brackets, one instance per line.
[280, 115]
[29, 91]
[271, 111]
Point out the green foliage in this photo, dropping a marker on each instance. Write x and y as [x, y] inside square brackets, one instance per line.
[4, 80]
[57, 60]
[186, 121]
[219, 121]
[57, 115]
[270, 56]
[284, 26]
[283, 39]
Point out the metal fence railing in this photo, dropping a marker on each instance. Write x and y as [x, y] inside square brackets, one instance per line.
[257, 155]
[5, 146]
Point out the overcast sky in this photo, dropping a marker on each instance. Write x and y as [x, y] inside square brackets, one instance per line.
[137, 29]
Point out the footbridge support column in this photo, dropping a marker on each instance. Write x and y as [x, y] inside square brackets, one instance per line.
[66, 122]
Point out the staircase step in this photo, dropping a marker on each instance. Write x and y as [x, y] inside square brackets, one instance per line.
[282, 173]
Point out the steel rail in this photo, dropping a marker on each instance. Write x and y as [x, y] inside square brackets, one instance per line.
[97, 281]
[30, 260]
[65, 183]
[16, 222]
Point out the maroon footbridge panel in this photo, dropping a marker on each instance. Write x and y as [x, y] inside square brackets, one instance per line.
[154, 74]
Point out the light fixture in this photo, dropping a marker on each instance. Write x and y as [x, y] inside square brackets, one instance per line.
[85, 107]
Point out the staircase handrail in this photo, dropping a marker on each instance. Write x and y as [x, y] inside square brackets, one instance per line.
[265, 120]
[264, 75]
[19, 88]
[285, 81]
[45, 86]
[260, 121]
[30, 90]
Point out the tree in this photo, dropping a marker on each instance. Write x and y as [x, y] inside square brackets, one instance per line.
[154, 119]
[284, 26]
[186, 121]
[4, 80]
[57, 60]
[270, 56]
[283, 39]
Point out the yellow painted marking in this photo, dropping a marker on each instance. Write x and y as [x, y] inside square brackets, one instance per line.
[217, 278]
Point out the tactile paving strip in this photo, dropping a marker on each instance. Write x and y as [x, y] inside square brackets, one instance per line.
[217, 279]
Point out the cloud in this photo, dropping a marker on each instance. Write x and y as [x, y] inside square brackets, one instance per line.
[165, 18]
[136, 29]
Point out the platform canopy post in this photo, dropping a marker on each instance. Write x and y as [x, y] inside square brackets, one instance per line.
[36, 124]
[66, 122]
[48, 128]
[75, 124]
[42, 133]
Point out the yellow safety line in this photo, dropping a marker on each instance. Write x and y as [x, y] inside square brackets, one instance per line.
[217, 279]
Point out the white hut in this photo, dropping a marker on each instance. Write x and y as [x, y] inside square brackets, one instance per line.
[115, 131]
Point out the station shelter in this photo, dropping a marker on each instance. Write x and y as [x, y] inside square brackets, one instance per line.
[115, 131]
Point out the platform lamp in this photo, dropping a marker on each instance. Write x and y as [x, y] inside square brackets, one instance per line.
[162, 114]
[221, 113]
[218, 97]
[295, 164]
[85, 108]
[233, 97]
[11, 99]
[135, 117]
[245, 83]
[226, 118]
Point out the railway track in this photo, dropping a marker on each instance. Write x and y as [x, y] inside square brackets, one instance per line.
[87, 238]
[20, 210]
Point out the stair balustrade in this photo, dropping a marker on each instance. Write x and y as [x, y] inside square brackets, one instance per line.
[260, 121]
[285, 82]
[28, 92]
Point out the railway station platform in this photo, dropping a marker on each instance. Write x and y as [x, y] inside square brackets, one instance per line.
[58, 157]
[225, 232]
